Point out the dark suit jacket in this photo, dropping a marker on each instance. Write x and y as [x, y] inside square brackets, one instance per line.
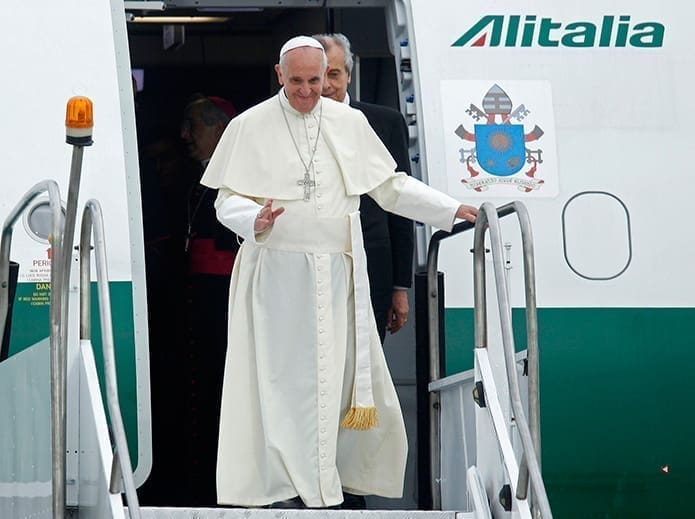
[388, 238]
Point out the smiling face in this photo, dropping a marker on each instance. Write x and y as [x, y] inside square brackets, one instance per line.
[302, 72]
[337, 76]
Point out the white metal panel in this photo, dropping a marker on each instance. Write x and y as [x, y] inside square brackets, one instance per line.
[95, 455]
[458, 441]
[25, 441]
[461, 432]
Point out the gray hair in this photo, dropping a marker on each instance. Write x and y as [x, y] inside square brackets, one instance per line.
[283, 62]
[339, 39]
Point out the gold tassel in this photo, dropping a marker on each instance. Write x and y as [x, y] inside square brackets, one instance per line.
[360, 418]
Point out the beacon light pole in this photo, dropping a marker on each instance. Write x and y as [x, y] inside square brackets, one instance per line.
[79, 121]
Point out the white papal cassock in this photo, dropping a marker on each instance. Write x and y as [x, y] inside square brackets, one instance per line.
[293, 315]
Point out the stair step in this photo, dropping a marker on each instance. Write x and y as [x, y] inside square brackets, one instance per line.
[255, 513]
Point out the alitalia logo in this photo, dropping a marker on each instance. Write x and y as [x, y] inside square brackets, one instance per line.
[534, 31]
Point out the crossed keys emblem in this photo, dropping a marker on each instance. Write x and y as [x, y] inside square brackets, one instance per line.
[500, 143]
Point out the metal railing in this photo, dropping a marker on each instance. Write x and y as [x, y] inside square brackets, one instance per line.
[488, 218]
[93, 223]
[57, 337]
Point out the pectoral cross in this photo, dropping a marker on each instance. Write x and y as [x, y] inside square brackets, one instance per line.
[307, 184]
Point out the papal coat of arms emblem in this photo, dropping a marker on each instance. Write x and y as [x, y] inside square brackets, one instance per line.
[500, 148]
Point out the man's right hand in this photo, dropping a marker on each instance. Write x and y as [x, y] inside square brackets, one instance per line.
[266, 216]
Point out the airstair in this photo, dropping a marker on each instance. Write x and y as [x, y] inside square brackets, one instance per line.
[482, 414]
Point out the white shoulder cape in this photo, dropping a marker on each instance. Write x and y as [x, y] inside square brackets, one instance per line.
[256, 158]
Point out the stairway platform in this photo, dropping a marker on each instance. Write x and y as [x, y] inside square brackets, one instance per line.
[255, 513]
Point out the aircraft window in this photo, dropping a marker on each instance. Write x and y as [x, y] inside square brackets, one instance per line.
[37, 220]
[596, 235]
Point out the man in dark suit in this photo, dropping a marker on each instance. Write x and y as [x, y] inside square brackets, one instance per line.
[388, 238]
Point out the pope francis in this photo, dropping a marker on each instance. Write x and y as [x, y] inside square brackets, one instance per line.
[309, 410]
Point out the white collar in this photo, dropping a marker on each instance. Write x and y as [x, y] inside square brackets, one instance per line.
[346, 100]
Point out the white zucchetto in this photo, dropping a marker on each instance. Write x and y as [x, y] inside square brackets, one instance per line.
[300, 41]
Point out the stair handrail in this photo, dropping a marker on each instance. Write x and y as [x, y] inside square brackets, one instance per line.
[93, 224]
[488, 220]
[433, 330]
[57, 343]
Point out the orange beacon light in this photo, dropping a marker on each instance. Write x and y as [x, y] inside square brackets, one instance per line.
[79, 121]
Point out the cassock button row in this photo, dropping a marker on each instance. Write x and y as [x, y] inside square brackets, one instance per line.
[318, 195]
[319, 207]
[323, 406]
[320, 293]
